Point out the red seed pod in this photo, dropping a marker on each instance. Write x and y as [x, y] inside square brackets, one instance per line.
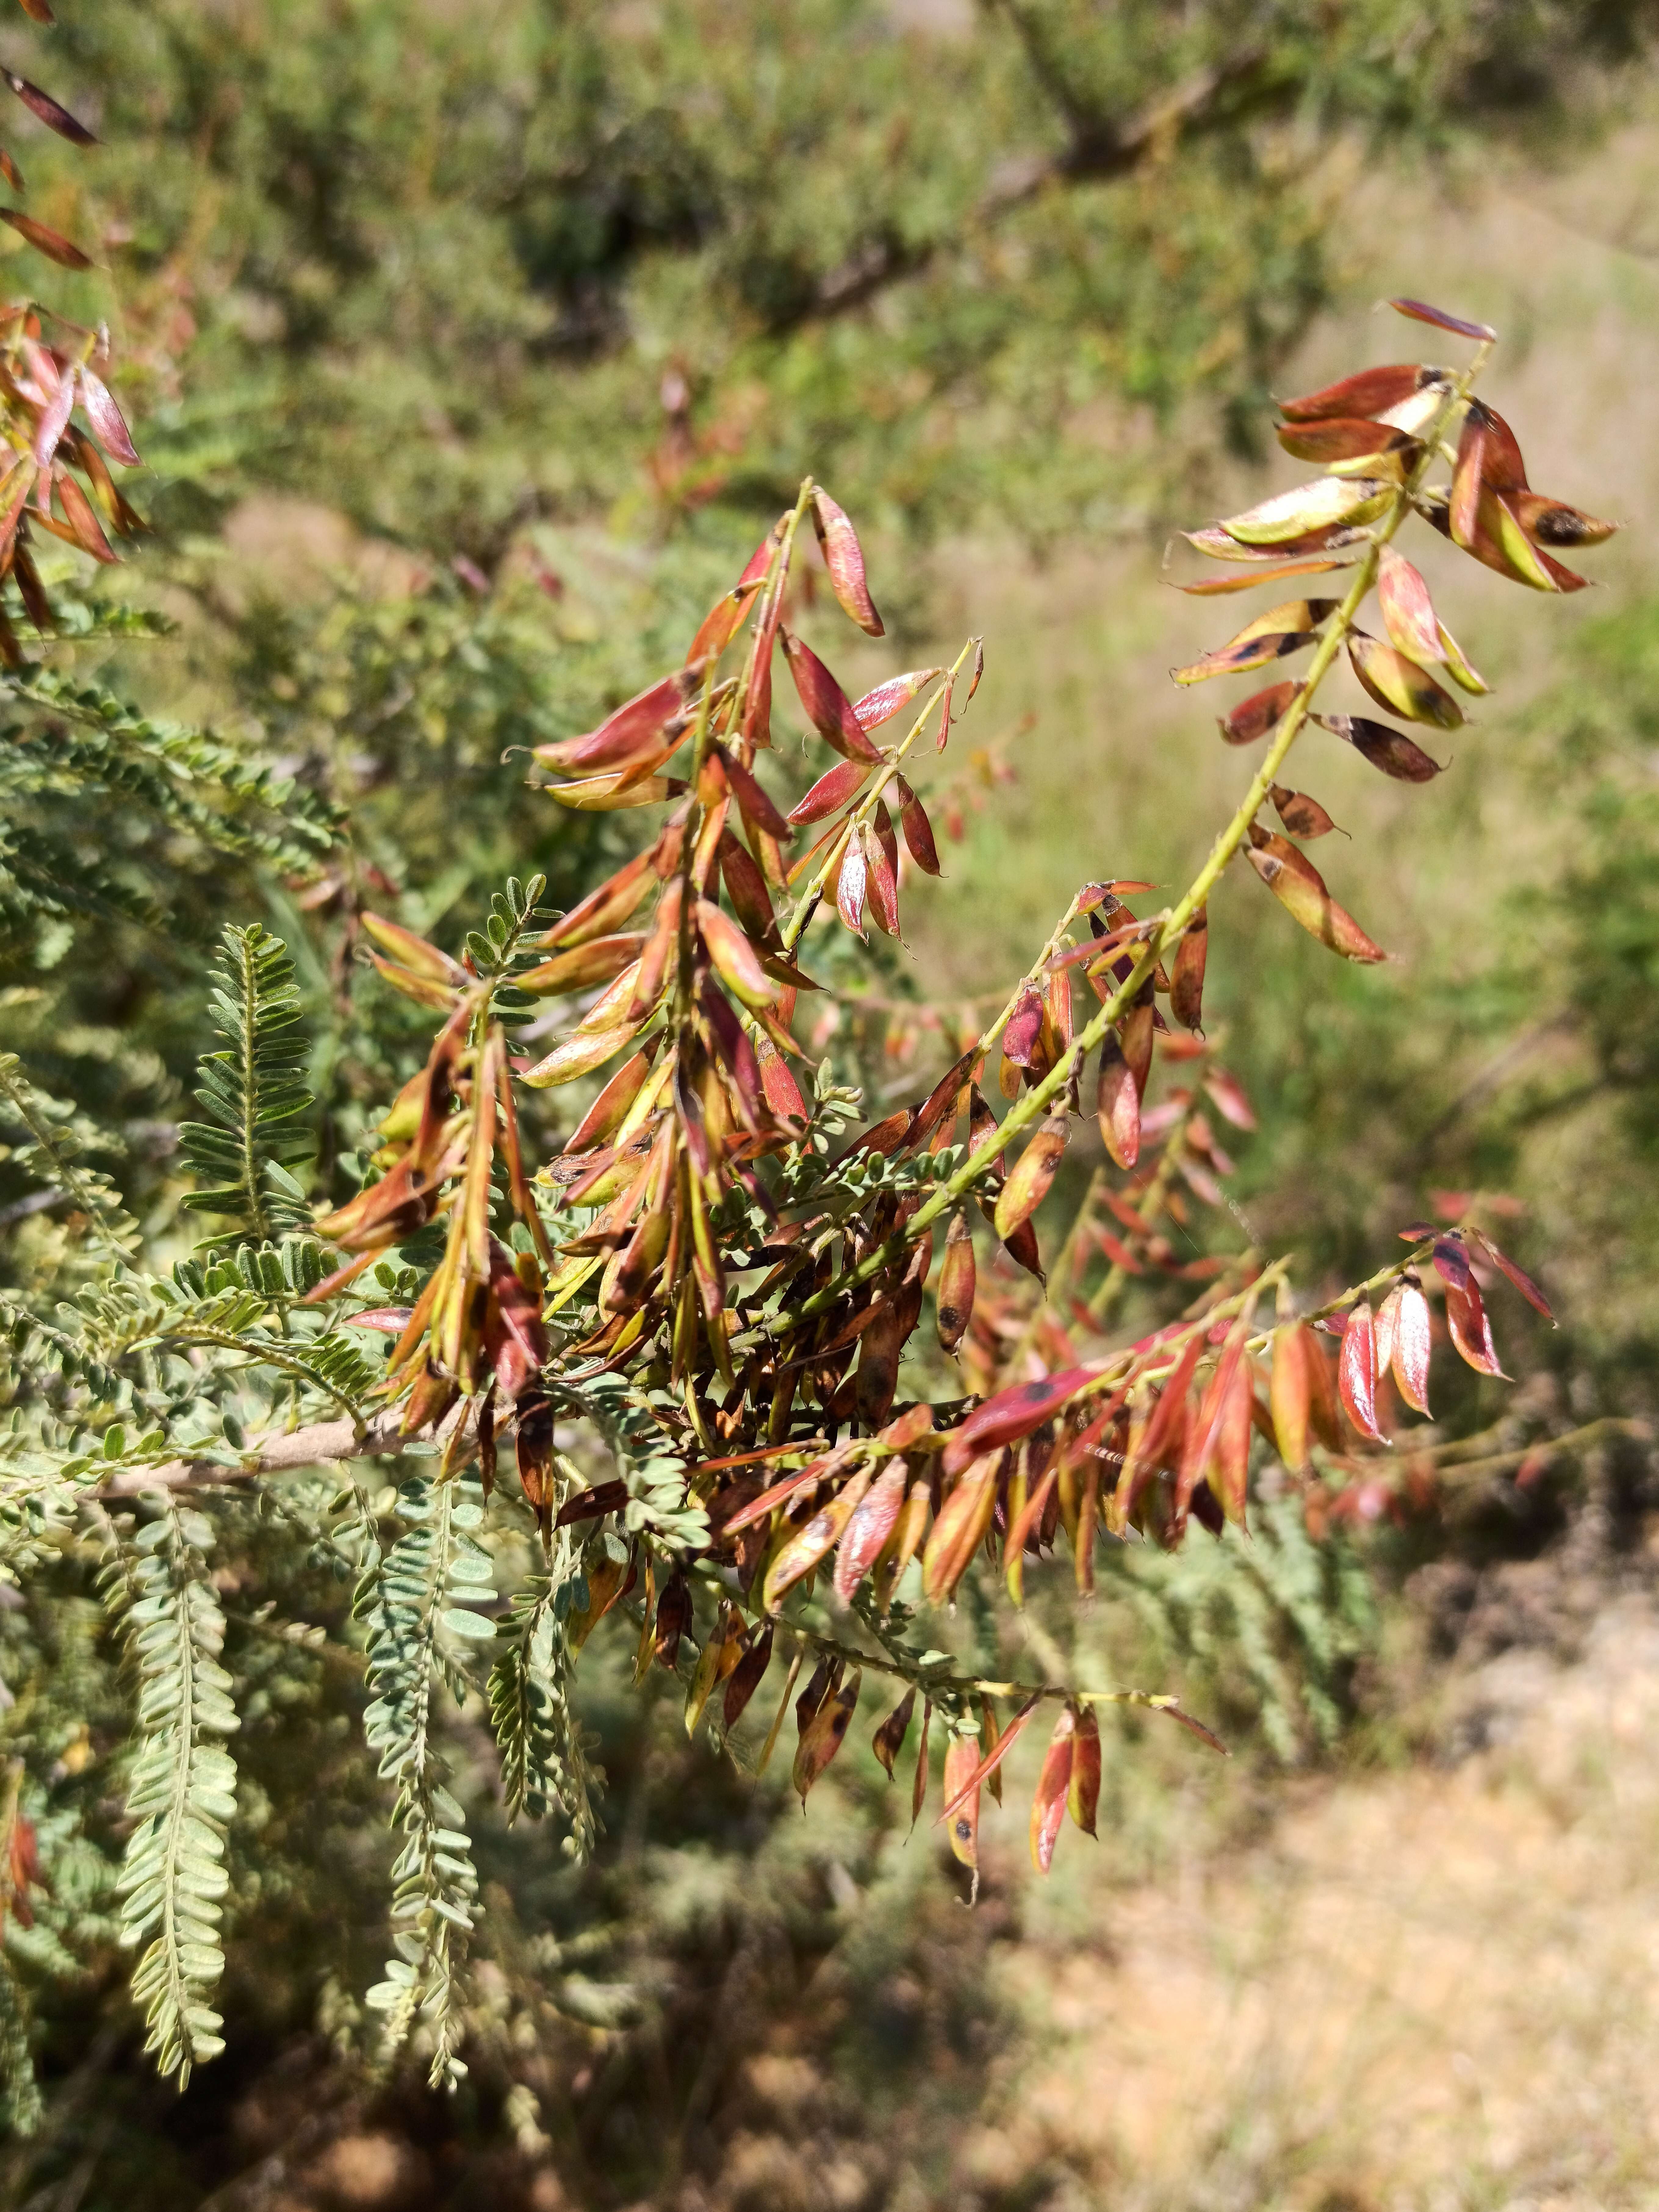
[827, 707]
[957, 1284]
[1054, 1785]
[844, 556]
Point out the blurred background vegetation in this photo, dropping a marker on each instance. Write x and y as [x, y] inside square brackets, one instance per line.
[469, 350]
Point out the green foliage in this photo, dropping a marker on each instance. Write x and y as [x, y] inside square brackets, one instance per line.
[252, 1090]
[442, 272]
[421, 1608]
[182, 1794]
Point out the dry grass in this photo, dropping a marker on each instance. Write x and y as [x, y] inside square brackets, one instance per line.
[1427, 1989]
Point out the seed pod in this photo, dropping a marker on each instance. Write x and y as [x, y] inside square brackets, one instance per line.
[1408, 614]
[1083, 1790]
[868, 1527]
[957, 1284]
[1186, 987]
[1412, 1339]
[1345, 443]
[1033, 1172]
[1292, 1392]
[824, 1735]
[673, 1619]
[1300, 888]
[891, 697]
[831, 792]
[1282, 629]
[918, 830]
[660, 945]
[1394, 682]
[602, 910]
[1418, 311]
[1054, 1783]
[1013, 1415]
[844, 556]
[734, 956]
[961, 1759]
[1391, 750]
[960, 1529]
[802, 1552]
[1551, 522]
[746, 1678]
[414, 953]
[1302, 816]
[889, 1739]
[827, 707]
[1356, 1372]
[1463, 515]
[1370, 393]
[583, 965]
[1117, 1105]
[880, 1348]
[633, 733]
[903, 1544]
[879, 877]
[1255, 716]
[851, 885]
[1329, 500]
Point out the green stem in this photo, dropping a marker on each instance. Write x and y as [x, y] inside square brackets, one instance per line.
[1035, 1102]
